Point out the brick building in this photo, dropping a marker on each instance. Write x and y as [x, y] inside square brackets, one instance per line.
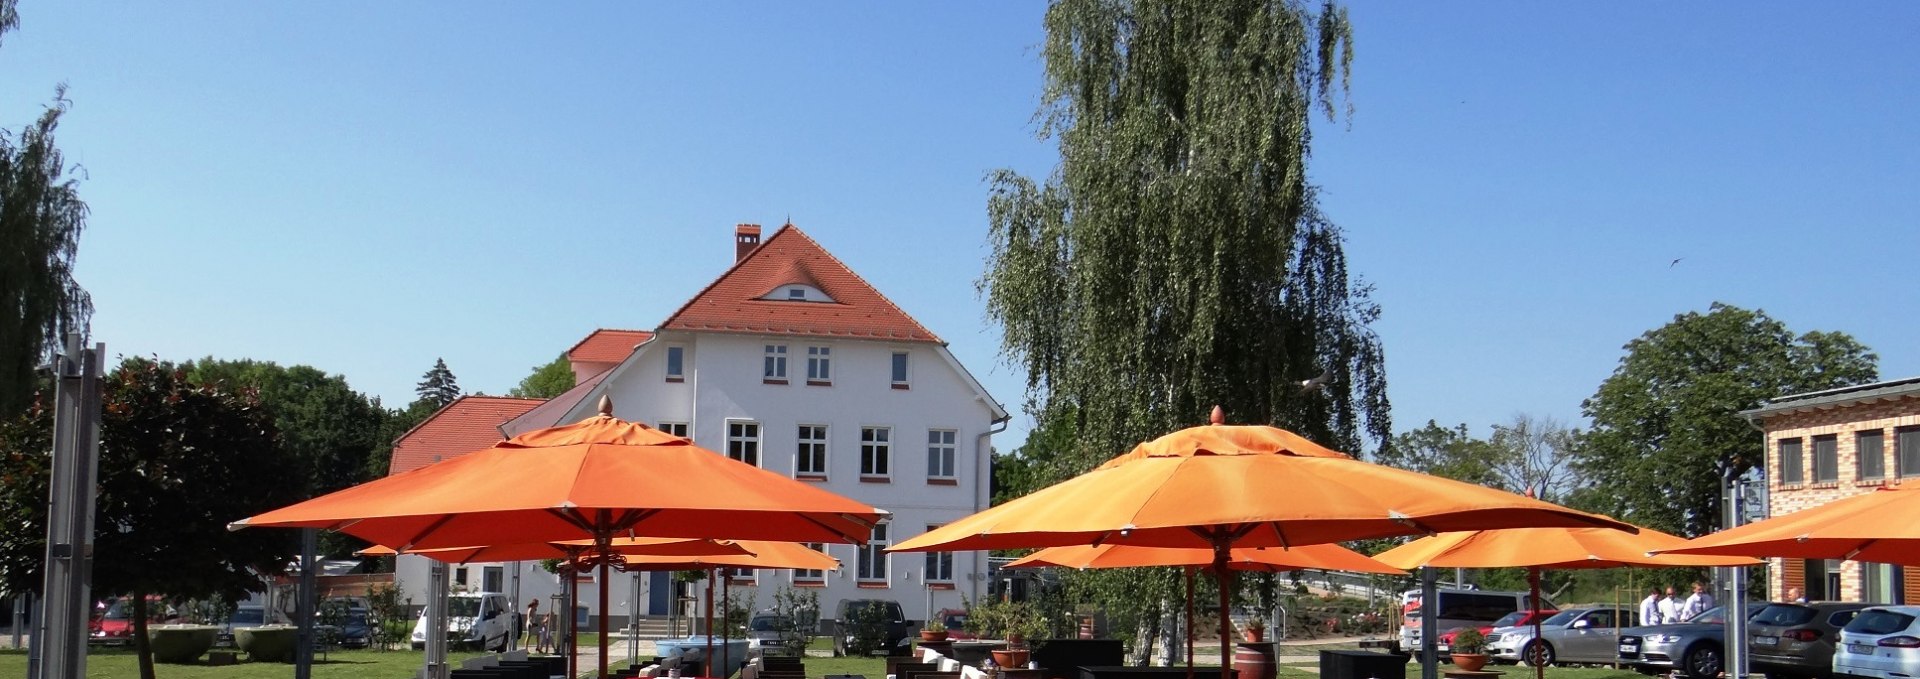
[1827, 445]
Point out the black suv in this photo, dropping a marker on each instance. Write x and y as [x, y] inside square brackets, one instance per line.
[868, 625]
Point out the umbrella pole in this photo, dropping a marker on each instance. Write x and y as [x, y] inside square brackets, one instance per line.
[726, 621]
[1189, 570]
[1226, 628]
[1533, 584]
[708, 670]
[604, 581]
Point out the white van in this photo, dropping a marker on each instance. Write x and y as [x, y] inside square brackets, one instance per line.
[480, 619]
[1463, 608]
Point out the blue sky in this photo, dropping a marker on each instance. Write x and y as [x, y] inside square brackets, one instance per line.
[365, 188]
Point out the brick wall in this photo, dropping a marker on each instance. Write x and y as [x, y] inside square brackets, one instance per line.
[1843, 423]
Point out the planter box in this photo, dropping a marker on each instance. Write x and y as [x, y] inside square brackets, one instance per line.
[180, 643]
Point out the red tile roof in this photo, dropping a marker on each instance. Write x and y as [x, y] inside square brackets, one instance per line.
[468, 424]
[607, 346]
[548, 414]
[732, 303]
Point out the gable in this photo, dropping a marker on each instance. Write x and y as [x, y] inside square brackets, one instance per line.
[750, 297]
[606, 345]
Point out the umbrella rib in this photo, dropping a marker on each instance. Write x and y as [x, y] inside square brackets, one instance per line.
[831, 529]
[431, 527]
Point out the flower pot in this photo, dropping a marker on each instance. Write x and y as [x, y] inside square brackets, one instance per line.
[1011, 658]
[1255, 634]
[930, 635]
[1469, 662]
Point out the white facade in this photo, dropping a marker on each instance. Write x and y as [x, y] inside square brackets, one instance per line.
[727, 404]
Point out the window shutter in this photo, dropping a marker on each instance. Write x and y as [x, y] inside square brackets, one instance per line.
[1793, 573]
[1910, 577]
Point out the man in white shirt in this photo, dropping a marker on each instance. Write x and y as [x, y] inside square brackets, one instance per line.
[1698, 602]
[1650, 608]
[1669, 608]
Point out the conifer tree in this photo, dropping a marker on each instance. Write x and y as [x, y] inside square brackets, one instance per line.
[438, 386]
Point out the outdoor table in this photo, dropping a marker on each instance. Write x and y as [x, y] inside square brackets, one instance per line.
[1470, 674]
[1126, 672]
[1362, 665]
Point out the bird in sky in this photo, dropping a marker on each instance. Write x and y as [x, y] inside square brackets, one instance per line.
[1318, 383]
[1675, 262]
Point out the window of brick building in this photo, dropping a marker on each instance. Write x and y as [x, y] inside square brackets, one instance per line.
[1793, 470]
[1826, 459]
[1906, 450]
[1870, 449]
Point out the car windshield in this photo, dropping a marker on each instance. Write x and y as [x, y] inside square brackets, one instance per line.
[462, 607]
[1712, 616]
[955, 622]
[1562, 618]
[1785, 615]
[1510, 619]
[766, 623]
[249, 616]
[884, 610]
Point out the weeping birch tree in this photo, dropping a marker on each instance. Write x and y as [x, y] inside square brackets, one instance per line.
[1175, 259]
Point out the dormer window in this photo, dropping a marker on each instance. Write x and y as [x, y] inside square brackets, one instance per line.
[796, 292]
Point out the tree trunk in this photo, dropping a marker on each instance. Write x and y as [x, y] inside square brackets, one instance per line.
[140, 644]
[1146, 631]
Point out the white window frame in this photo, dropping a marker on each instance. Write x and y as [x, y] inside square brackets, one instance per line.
[675, 351]
[883, 470]
[744, 441]
[810, 575]
[821, 443]
[949, 448]
[774, 363]
[819, 365]
[939, 565]
[872, 556]
[905, 369]
[680, 429]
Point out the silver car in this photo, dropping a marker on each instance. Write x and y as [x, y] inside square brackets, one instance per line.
[1574, 635]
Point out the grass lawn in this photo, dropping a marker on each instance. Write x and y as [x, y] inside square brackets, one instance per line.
[344, 664]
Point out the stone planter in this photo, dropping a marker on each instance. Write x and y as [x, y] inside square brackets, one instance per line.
[180, 643]
[272, 643]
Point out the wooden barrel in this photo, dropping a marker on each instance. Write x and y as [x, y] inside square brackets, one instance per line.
[1254, 660]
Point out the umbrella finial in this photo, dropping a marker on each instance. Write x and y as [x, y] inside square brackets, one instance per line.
[1219, 416]
[606, 405]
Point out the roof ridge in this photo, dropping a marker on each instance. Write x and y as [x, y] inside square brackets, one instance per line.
[596, 331]
[449, 406]
[913, 329]
[863, 281]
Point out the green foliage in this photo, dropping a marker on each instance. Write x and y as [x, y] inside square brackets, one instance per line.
[389, 616]
[397, 424]
[798, 615]
[1440, 451]
[1666, 423]
[1469, 641]
[331, 429]
[41, 217]
[1175, 260]
[867, 625]
[1527, 454]
[438, 386]
[547, 381]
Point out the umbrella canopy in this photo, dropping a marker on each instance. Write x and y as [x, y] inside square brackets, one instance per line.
[629, 548]
[1547, 548]
[1882, 526]
[1243, 486]
[598, 478]
[752, 554]
[1328, 557]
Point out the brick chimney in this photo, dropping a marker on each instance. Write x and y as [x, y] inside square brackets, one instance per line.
[746, 237]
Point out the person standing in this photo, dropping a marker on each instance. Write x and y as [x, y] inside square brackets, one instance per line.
[1699, 601]
[1795, 595]
[1669, 608]
[528, 635]
[1650, 608]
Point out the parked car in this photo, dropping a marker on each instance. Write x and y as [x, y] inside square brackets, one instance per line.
[893, 634]
[1697, 647]
[1882, 642]
[1462, 608]
[352, 631]
[478, 619]
[956, 621]
[114, 624]
[1574, 635]
[767, 632]
[1787, 640]
[1514, 619]
[248, 616]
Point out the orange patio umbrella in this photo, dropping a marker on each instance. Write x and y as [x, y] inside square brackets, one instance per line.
[1546, 548]
[1276, 560]
[596, 480]
[1882, 526]
[1218, 487]
[628, 548]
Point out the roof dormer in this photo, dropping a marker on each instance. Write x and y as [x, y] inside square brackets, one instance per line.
[797, 292]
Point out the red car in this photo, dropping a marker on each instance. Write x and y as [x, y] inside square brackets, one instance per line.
[1513, 619]
[114, 625]
[956, 621]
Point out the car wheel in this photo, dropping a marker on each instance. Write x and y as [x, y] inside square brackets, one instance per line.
[1702, 661]
[1538, 653]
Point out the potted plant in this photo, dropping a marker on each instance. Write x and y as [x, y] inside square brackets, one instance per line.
[1469, 650]
[1256, 629]
[934, 630]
